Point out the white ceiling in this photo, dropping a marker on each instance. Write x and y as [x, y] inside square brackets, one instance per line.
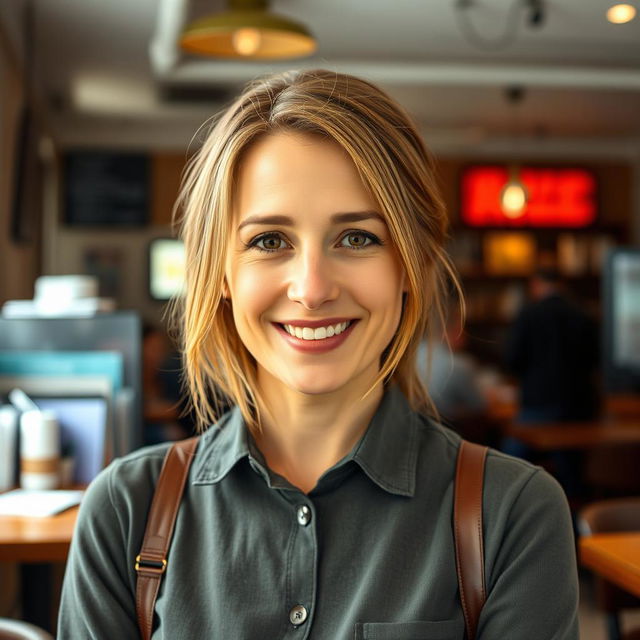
[105, 68]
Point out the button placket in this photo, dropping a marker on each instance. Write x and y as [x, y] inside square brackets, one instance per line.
[302, 563]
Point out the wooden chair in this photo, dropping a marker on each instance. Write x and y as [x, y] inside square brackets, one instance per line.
[18, 630]
[608, 516]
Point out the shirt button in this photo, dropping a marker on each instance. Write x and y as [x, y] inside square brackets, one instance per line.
[298, 615]
[304, 515]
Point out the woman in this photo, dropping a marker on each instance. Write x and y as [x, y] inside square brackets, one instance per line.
[320, 506]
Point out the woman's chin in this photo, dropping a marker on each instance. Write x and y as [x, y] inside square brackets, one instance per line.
[315, 387]
[316, 380]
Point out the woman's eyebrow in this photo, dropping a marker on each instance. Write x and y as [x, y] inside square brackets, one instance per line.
[336, 218]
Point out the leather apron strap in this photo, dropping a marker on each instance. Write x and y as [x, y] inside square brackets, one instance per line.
[151, 562]
[467, 519]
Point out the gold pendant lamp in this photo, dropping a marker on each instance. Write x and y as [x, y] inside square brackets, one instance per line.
[247, 31]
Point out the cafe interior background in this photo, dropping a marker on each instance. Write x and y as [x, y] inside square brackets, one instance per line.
[100, 107]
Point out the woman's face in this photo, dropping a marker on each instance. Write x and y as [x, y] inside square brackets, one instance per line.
[315, 283]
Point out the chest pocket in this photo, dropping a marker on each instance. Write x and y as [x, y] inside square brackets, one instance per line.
[417, 630]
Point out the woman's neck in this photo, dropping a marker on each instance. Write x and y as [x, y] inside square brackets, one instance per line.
[304, 435]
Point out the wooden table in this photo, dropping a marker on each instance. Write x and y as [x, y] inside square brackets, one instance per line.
[25, 539]
[615, 557]
[576, 435]
[35, 543]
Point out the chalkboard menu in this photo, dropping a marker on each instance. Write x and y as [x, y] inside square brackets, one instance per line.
[106, 188]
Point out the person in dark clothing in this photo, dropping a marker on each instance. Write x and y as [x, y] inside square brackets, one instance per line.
[552, 348]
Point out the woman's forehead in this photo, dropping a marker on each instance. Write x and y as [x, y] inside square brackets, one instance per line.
[286, 172]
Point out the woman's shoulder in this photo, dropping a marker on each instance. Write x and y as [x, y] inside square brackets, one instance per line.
[127, 483]
[506, 478]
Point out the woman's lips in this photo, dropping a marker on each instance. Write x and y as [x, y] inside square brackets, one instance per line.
[315, 346]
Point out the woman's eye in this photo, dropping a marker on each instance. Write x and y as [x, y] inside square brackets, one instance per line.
[269, 242]
[358, 240]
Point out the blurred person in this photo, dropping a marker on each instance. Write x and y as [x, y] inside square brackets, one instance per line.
[552, 348]
[164, 400]
[453, 377]
[321, 505]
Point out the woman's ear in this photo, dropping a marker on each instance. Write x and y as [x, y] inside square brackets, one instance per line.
[225, 289]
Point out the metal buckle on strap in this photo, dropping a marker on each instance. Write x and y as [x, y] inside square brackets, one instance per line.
[152, 566]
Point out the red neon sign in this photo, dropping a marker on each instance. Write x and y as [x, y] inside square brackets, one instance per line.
[557, 197]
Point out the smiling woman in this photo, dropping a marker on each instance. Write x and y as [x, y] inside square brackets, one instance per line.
[321, 506]
[343, 142]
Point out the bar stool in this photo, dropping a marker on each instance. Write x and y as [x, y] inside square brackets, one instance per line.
[609, 516]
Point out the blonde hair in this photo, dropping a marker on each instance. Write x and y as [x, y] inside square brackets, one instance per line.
[393, 164]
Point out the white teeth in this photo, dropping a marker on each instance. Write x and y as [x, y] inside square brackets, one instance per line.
[307, 333]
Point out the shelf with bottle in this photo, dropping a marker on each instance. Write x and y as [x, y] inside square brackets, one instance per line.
[508, 254]
[495, 267]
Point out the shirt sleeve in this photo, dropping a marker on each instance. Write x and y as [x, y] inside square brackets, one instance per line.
[98, 595]
[532, 585]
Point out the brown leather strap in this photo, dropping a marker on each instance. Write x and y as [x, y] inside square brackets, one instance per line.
[467, 519]
[151, 562]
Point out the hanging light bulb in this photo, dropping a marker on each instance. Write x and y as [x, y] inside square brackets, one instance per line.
[246, 41]
[514, 196]
[621, 13]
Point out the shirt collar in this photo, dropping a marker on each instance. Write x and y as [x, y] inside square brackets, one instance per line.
[387, 452]
[221, 447]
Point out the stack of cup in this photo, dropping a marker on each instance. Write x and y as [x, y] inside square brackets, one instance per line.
[39, 450]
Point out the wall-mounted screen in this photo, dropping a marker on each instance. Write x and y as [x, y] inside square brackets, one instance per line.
[622, 320]
[166, 268]
[556, 197]
[106, 188]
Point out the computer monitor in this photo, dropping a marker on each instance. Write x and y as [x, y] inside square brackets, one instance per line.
[120, 331]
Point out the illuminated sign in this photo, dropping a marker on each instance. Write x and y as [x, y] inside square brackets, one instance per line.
[557, 197]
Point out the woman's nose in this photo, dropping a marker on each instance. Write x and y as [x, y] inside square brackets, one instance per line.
[312, 282]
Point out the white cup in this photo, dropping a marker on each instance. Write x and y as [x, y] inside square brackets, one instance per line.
[39, 450]
[8, 442]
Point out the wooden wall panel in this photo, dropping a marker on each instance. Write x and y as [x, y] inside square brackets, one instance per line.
[166, 172]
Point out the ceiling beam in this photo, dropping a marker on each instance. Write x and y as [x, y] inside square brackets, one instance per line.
[208, 72]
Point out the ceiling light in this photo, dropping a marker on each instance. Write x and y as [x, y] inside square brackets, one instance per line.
[246, 41]
[621, 13]
[248, 31]
[514, 196]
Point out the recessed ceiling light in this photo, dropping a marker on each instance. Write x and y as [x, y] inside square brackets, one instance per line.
[621, 13]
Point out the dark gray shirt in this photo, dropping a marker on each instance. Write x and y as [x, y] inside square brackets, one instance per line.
[368, 554]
